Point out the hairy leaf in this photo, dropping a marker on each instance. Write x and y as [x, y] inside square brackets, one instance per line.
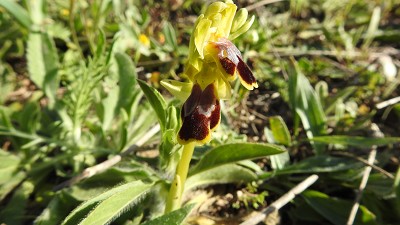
[109, 205]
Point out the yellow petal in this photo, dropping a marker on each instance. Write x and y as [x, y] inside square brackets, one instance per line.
[240, 19]
[179, 89]
[224, 89]
[201, 35]
[227, 18]
[242, 29]
[214, 8]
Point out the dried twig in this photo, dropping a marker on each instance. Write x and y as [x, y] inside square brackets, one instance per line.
[101, 167]
[282, 200]
[261, 3]
[365, 162]
[298, 52]
[387, 103]
[364, 180]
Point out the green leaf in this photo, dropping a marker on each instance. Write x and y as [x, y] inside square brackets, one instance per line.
[57, 209]
[107, 108]
[29, 119]
[14, 212]
[306, 104]
[320, 164]
[396, 187]
[106, 207]
[127, 81]
[170, 35]
[100, 43]
[8, 166]
[356, 140]
[43, 63]
[341, 95]
[373, 26]
[230, 153]
[279, 161]
[302, 208]
[10, 176]
[175, 217]
[20, 14]
[224, 174]
[337, 210]
[279, 130]
[5, 120]
[157, 102]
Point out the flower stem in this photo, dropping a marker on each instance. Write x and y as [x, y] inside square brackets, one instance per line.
[174, 199]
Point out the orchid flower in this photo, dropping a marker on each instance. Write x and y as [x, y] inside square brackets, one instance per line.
[213, 62]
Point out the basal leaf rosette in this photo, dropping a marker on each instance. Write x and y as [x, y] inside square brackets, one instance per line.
[213, 62]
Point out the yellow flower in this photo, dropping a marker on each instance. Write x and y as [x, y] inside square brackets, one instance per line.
[144, 40]
[213, 62]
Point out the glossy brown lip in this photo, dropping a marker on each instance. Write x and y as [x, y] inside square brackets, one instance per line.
[245, 73]
[228, 65]
[231, 60]
[200, 114]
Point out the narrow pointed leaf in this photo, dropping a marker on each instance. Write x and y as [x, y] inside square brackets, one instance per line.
[320, 164]
[20, 14]
[157, 102]
[356, 140]
[306, 104]
[279, 130]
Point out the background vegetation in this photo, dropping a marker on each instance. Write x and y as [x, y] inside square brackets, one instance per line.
[70, 100]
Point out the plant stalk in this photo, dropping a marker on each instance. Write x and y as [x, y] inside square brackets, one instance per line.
[174, 199]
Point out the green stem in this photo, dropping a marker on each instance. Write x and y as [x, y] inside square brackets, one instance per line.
[178, 184]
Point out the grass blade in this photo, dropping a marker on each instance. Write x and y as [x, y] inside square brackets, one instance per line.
[20, 14]
[356, 140]
[280, 131]
[306, 104]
